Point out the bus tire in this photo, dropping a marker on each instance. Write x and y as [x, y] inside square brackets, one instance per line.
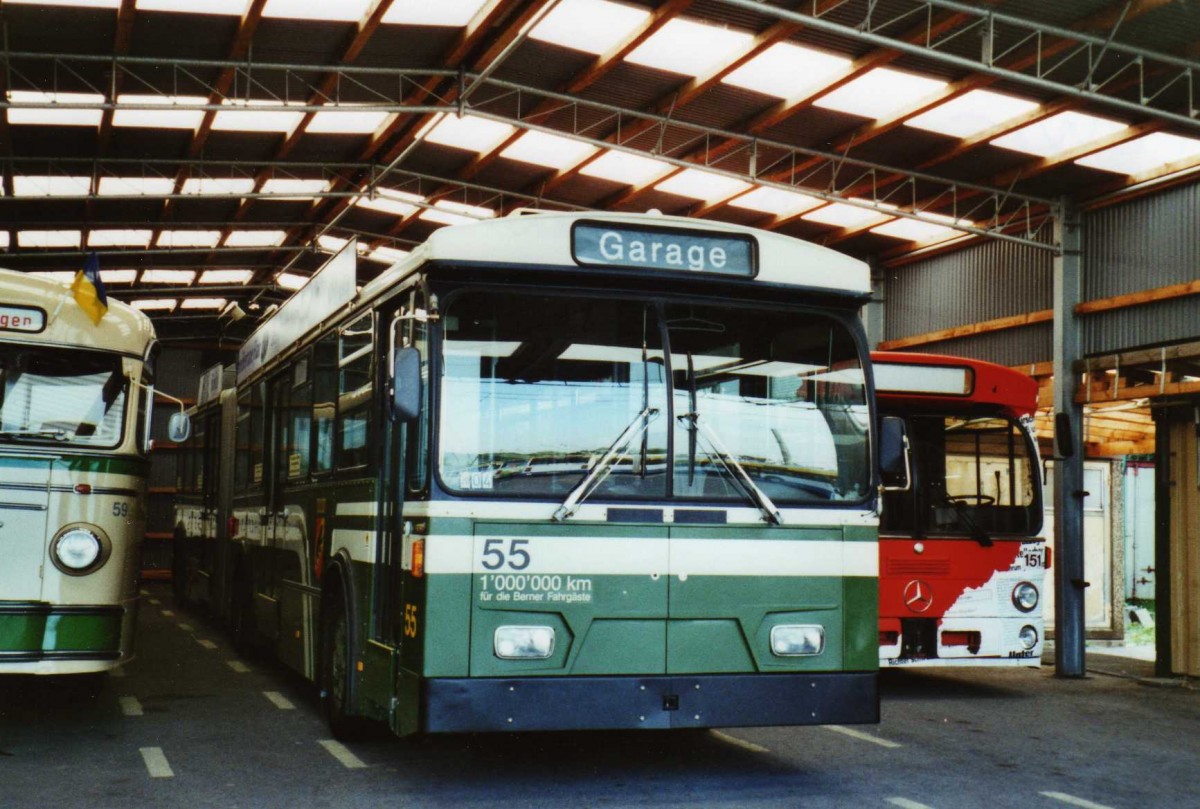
[242, 626]
[337, 665]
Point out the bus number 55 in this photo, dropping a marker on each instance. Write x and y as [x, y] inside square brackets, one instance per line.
[495, 557]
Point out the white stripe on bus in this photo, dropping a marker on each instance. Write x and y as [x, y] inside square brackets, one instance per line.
[447, 554]
[356, 509]
[156, 762]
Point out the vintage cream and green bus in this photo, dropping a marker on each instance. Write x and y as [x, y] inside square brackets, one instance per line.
[559, 471]
[73, 440]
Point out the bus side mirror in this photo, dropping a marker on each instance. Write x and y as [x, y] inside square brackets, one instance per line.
[406, 385]
[179, 427]
[894, 466]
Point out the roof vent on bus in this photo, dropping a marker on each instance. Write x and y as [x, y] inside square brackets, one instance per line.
[529, 212]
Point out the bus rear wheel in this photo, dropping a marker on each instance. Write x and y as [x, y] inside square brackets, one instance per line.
[337, 669]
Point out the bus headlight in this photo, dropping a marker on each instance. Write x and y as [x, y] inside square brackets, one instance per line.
[79, 549]
[794, 640]
[523, 642]
[1025, 596]
[1029, 637]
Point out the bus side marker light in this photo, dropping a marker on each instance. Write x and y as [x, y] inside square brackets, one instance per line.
[418, 558]
[358, 667]
[796, 640]
[83, 488]
[523, 642]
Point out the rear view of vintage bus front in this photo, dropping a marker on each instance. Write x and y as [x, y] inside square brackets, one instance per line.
[654, 503]
[72, 478]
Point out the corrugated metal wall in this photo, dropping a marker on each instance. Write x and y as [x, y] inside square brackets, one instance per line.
[1143, 244]
[987, 281]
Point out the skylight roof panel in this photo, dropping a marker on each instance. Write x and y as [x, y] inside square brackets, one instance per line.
[879, 92]
[118, 276]
[291, 281]
[844, 216]
[592, 26]
[255, 238]
[165, 304]
[75, 3]
[468, 132]
[292, 189]
[552, 151]
[257, 119]
[51, 186]
[218, 186]
[450, 13]
[119, 238]
[3, 238]
[165, 118]
[229, 7]
[48, 238]
[455, 213]
[1140, 155]
[51, 116]
[785, 70]
[689, 47]
[189, 238]
[61, 276]
[327, 10]
[178, 277]
[202, 303]
[347, 120]
[225, 277]
[913, 230]
[776, 201]
[387, 200]
[1058, 133]
[333, 244]
[622, 167]
[971, 113]
[388, 255]
[136, 186]
[702, 185]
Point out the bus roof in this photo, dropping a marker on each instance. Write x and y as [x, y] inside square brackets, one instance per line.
[549, 240]
[62, 322]
[919, 380]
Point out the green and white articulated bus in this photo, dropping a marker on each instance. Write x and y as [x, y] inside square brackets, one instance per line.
[73, 438]
[563, 471]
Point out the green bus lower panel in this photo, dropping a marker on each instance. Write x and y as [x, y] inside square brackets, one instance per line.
[39, 631]
[622, 645]
[711, 647]
[862, 637]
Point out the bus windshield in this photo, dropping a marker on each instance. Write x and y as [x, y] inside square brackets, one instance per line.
[694, 402]
[973, 475]
[59, 396]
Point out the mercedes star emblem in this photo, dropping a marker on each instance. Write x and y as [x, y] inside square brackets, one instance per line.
[918, 596]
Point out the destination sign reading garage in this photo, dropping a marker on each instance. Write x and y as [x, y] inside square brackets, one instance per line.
[622, 245]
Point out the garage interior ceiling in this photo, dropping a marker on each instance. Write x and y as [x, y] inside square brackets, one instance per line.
[214, 152]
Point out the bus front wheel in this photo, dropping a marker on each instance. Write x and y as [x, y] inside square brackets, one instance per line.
[337, 668]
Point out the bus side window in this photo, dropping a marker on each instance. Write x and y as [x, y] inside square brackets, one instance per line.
[324, 402]
[241, 461]
[257, 442]
[355, 374]
[299, 420]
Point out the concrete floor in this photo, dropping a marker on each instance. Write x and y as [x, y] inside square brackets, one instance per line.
[189, 724]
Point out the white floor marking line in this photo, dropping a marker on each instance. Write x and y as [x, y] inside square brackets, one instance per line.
[342, 754]
[905, 803]
[130, 706]
[207, 644]
[186, 627]
[153, 601]
[279, 700]
[742, 743]
[156, 762]
[865, 737]
[238, 666]
[144, 592]
[1073, 801]
[168, 613]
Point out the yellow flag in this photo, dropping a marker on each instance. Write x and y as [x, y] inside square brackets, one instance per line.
[88, 290]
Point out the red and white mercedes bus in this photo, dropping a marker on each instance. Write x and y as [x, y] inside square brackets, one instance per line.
[961, 565]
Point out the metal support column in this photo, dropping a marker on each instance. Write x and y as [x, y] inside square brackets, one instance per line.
[1163, 474]
[1069, 583]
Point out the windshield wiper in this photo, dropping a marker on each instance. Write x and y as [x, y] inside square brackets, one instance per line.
[56, 435]
[599, 472]
[760, 498]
